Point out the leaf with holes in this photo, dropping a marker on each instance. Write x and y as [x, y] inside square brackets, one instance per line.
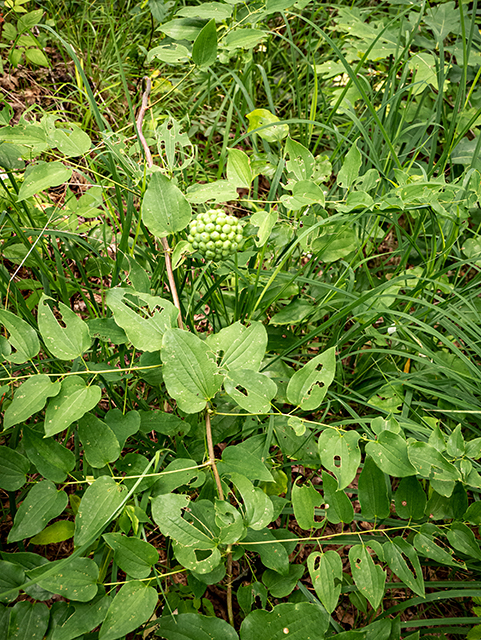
[369, 577]
[65, 343]
[339, 452]
[29, 398]
[241, 347]
[325, 570]
[308, 386]
[191, 376]
[390, 453]
[229, 521]
[73, 401]
[143, 317]
[22, 337]
[167, 511]
[397, 553]
[42, 503]
[373, 496]
[251, 390]
[304, 499]
[300, 621]
[337, 505]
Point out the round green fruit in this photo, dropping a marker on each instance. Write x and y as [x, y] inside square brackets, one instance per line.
[215, 234]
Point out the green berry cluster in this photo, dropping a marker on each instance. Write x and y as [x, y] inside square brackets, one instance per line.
[214, 234]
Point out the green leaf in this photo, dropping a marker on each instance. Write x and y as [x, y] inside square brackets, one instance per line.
[410, 499]
[330, 247]
[11, 576]
[36, 56]
[398, 552]
[350, 168]
[239, 170]
[301, 161]
[325, 570]
[218, 191]
[430, 463]
[194, 626]
[304, 193]
[217, 11]
[42, 503]
[191, 376]
[183, 28]
[164, 207]
[300, 621]
[266, 121]
[258, 506]
[98, 506]
[52, 460]
[204, 51]
[22, 337]
[65, 343]
[473, 514]
[43, 175]
[73, 401]
[54, 533]
[134, 556]
[281, 586]
[237, 459]
[13, 469]
[123, 425]
[427, 546]
[76, 580]
[251, 390]
[71, 141]
[99, 441]
[337, 505]
[390, 453]
[308, 386]
[28, 620]
[266, 221]
[293, 313]
[201, 564]
[172, 53]
[145, 333]
[273, 554]
[243, 39]
[304, 500]
[462, 539]
[83, 619]
[241, 347]
[369, 577]
[107, 330]
[373, 496]
[455, 446]
[29, 398]
[339, 451]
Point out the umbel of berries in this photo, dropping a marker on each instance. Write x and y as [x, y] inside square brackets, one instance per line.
[214, 234]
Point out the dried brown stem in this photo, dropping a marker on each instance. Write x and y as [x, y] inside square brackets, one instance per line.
[150, 162]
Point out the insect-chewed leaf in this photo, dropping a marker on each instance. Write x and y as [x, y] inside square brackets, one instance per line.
[145, 333]
[23, 338]
[300, 621]
[241, 347]
[229, 521]
[131, 607]
[308, 386]
[167, 514]
[339, 451]
[369, 577]
[65, 343]
[191, 376]
[251, 390]
[398, 553]
[325, 570]
[258, 506]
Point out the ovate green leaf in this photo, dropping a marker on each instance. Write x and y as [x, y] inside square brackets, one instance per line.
[73, 401]
[22, 337]
[99, 504]
[308, 386]
[65, 343]
[204, 51]
[164, 207]
[29, 398]
[99, 441]
[369, 577]
[43, 175]
[300, 621]
[340, 454]
[325, 570]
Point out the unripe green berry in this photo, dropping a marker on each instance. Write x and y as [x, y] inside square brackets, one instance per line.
[215, 234]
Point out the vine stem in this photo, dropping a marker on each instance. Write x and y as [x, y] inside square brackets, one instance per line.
[210, 449]
[150, 163]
